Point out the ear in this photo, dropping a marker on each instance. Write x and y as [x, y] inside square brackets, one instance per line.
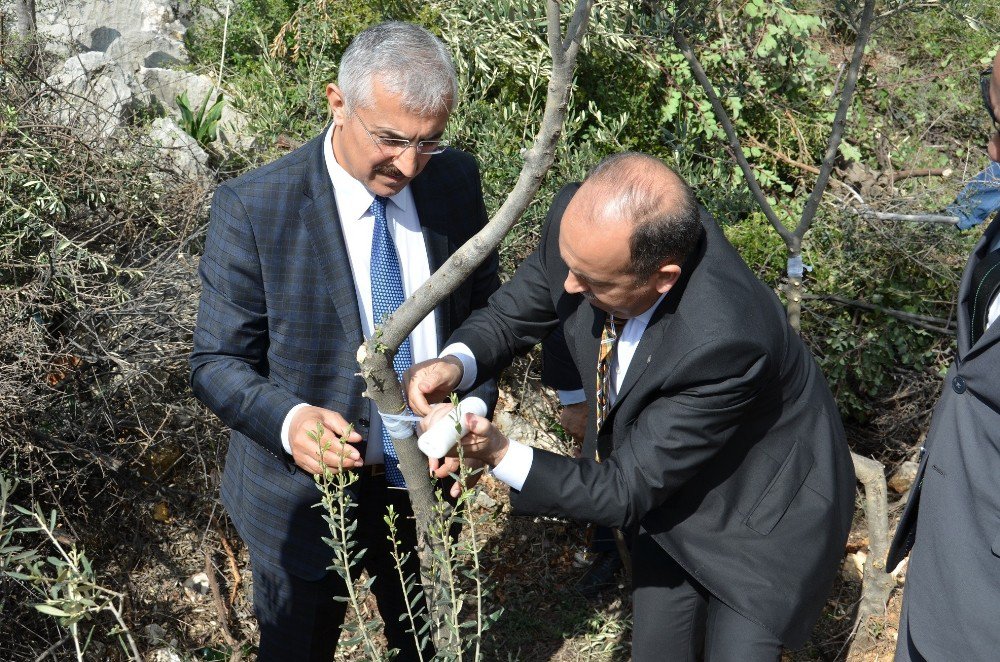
[336, 100]
[666, 276]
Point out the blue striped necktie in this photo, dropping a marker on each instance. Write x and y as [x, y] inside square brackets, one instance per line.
[387, 295]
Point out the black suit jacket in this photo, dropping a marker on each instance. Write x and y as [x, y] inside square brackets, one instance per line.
[279, 325]
[725, 443]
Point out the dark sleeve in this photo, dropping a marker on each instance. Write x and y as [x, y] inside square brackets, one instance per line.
[558, 369]
[231, 337]
[672, 439]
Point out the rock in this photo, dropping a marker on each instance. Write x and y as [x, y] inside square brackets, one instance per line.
[156, 634]
[903, 478]
[485, 501]
[180, 152]
[196, 586]
[164, 655]
[93, 95]
[165, 85]
[146, 49]
[853, 569]
[93, 25]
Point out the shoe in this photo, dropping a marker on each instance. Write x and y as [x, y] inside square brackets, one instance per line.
[601, 574]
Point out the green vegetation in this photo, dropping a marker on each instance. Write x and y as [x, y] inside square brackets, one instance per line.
[98, 252]
[202, 123]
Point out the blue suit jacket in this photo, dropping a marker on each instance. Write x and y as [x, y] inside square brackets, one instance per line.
[279, 325]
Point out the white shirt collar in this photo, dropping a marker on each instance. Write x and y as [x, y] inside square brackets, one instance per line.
[642, 320]
[353, 199]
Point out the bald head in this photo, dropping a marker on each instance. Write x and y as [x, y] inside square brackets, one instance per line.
[643, 193]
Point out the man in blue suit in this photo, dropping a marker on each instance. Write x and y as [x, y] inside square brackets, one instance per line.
[303, 258]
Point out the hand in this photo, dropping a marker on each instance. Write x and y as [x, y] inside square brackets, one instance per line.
[573, 419]
[306, 451]
[428, 382]
[441, 468]
[483, 441]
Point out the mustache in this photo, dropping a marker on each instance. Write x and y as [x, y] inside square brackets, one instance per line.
[388, 170]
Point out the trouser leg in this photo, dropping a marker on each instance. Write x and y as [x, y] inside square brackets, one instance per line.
[298, 619]
[668, 611]
[731, 637]
[905, 650]
[676, 618]
[389, 591]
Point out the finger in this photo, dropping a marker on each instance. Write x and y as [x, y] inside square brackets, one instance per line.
[336, 424]
[477, 425]
[456, 490]
[435, 414]
[345, 456]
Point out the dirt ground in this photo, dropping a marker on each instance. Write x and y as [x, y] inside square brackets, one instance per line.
[531, 564]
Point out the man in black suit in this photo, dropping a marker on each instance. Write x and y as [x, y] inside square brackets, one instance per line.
[720, 447]
[951, 603]
[303, 258]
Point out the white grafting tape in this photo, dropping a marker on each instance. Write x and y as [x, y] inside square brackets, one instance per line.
[437, 441]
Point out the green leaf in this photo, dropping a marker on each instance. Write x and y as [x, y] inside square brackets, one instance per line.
[52, 611]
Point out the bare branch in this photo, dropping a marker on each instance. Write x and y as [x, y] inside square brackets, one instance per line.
[839, 120]
[927, 322]
[734, 142]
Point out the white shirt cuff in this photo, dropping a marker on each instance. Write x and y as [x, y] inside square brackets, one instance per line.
[567, 398]
[515, 465]
[462, 352]
[286, 443]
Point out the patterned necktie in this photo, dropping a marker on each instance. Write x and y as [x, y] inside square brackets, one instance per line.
[387, 295]
[609, 338]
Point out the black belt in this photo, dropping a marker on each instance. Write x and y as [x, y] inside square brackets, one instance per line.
[372, 470]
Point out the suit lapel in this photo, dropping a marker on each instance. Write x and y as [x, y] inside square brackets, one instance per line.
[965, 348]
[651, 341]
[319, 214]
[433, 213]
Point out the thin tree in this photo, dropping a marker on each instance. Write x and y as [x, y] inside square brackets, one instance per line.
[26, 27]
[375, 356]
[877, 584]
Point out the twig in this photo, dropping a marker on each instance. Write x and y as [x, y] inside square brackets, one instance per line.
[220, 606]
[922, 321]
[51, 649]
[237, 579]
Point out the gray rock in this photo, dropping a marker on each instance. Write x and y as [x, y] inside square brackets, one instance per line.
[165, 85]
[94, 24]
[164, 655]
[146, 49]
[180, 152]
[93, 95]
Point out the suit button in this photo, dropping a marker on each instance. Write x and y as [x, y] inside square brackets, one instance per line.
[958, 384]
[364, 422]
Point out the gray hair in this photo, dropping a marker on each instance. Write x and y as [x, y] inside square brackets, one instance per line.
[407, 60]
[661, 207]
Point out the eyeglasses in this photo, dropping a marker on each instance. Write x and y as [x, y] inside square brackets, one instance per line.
[984, 87]
[400, 145]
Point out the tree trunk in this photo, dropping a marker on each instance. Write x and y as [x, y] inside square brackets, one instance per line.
[26, 28]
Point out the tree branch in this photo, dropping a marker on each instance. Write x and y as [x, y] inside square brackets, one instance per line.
[734, 142]
[839, 120]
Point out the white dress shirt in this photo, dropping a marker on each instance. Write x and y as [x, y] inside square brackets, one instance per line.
[514, 467]
[358, 224]
[994, 311]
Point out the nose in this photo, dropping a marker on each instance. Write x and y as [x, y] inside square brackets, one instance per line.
[408, 162]
[573, 285]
